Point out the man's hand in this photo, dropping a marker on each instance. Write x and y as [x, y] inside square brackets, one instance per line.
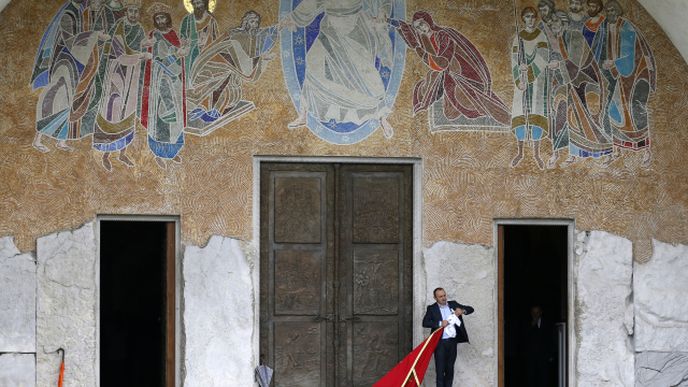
[445, 323]
[458, 312]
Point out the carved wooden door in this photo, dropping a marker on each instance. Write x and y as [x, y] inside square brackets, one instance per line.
[336, 272]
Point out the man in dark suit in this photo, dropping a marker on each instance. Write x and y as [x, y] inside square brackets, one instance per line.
[435, 318]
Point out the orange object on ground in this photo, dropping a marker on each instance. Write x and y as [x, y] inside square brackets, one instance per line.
[60, 379]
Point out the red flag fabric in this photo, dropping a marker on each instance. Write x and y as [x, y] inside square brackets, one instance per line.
[411, 370]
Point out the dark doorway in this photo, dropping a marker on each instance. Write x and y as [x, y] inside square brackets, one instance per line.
[336, 290]
[137, 303]
[534, 304]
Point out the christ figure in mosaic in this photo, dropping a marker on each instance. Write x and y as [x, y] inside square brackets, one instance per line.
[629, 66]
[215, 94]
[458, 85]
[199, 29]
[529, 61]
[342, 82]
[64, 66]
[576, 111]
[163, 107]
[121, 76]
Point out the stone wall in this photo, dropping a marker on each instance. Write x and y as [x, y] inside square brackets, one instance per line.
[629, 317]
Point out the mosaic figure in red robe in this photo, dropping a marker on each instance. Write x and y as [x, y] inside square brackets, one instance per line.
[459, 83]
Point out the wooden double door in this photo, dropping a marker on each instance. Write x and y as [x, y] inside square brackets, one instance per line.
[335, 272]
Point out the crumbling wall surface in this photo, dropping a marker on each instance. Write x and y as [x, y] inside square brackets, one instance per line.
[17, 299]
[66, 307]
[661, 317]
[604, 314]
[17, 316]
[467, 273]
[218, 315]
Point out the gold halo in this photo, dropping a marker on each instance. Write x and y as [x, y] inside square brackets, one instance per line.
[189, 7]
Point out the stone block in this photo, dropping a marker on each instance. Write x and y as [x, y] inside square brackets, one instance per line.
[17, 299]
[66, 312]
[468, 274]
[661, 311]
[654, 369]
[218, 315]
[17, 370]
[604, 318]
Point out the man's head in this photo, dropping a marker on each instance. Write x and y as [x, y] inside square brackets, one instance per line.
[576, 6]
[546, 8]
[529, 17]
[199, 6]
[559, 22]
[613, 10]
[133, 13]
[594, 7]
[250, 21]
[536, 312]
[440, 296]
[162, 21]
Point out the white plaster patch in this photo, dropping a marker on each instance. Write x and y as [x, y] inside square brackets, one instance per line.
[468, 274]
[17, 299]
[218, 315]
[604, 355]
[661, 369]
[18, 370]
[66, 313]
[661, 310]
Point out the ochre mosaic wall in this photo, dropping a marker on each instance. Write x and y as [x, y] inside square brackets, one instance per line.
[468, 177]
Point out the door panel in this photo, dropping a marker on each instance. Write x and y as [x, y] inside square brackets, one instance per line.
[374, 268]
[336, 269]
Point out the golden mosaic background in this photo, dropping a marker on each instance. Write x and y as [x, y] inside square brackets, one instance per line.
[467, 180]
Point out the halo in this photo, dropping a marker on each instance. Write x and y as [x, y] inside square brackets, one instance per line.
[189, 7]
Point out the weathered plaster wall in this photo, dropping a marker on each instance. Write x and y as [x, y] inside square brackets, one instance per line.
[17, 299]
[467, 178]
[219, 324]
[604, 311]
[616, 343]
[66, 306]
[468, 273]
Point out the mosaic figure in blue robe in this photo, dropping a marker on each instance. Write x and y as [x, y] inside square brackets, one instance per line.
[628, 65]
[65, 64]
[342, 63]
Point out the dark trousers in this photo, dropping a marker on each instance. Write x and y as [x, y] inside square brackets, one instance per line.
[445, 357]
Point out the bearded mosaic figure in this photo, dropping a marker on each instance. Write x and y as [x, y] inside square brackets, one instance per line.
[214, 94]
[163, 107]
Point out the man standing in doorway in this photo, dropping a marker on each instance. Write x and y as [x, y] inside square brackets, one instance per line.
[435, 318]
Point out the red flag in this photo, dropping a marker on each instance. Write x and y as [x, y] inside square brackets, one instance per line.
[411, 370]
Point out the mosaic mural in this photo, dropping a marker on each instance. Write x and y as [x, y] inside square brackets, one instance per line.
[583, 79]
[342, 64]
[100, 75]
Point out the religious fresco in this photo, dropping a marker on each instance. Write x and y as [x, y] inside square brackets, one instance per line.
[342, 62]
[583, 78]
[101, 76]
[457, 89]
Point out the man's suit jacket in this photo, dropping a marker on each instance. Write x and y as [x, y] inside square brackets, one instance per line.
[433, 317]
